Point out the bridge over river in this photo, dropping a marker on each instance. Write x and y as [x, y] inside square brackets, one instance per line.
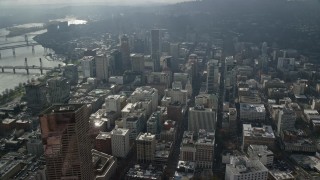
[27, 68]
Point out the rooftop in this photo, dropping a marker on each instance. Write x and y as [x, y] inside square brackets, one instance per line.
[8, 121]
[241, 165]
[146, 137]
[145, 90]
[188, 137]
[99, 92]
[252, 107]
[279, 175]
[116, 96]
[205, 137]
[119, 131]
[144, 172]
[200, 108]
[186, 165]
[102, 162]
[264, 131]
[87, 58]
[259, 150]
[54, 109]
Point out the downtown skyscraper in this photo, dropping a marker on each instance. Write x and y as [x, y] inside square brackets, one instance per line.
[67, 148]
[155, 49]
[125, 52]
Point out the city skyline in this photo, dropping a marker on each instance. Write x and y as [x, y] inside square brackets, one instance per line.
[194, 90]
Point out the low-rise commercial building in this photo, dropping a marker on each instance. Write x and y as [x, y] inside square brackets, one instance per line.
[257, 135]
[261, 153]
[104, 165]
[243, 168]
[252, 112]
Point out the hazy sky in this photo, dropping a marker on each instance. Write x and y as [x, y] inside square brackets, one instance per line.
[124, 2]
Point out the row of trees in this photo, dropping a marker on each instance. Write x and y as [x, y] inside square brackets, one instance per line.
[9, 94]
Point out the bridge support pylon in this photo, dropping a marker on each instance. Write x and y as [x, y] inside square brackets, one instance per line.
[14, 70]
[13, 51]
[26, 65]
[26, 39]
[41, 70]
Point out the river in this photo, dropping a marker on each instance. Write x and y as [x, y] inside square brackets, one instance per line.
[9, 80]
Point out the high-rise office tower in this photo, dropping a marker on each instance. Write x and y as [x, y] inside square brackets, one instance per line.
[212, 77]
[155, 49]
[264, 49]
[174, 50]
[88, 66]
[36, 95]
[71, 73]
[205, 149]
[102, 71]
[137, 62]
[67, 147]
[58, 90]
[117, 61]
[146, 147]
[286, 120]
[125, 52]
[202, 118]
[120, 142]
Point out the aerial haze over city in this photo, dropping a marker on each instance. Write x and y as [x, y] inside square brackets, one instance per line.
[159, 89]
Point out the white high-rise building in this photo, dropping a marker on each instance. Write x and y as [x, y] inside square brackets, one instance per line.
[88, 67]
[145, 93]
[245, 169]
[113, 103]
[120, 142]
[173, 96]
[202, 118]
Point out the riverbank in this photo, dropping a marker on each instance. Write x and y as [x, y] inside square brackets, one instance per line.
[12, 95]
[16, 94]
[18, 31]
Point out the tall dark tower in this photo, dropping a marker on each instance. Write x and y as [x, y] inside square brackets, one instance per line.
[155, 49]
[125, 52]
[117, 61]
